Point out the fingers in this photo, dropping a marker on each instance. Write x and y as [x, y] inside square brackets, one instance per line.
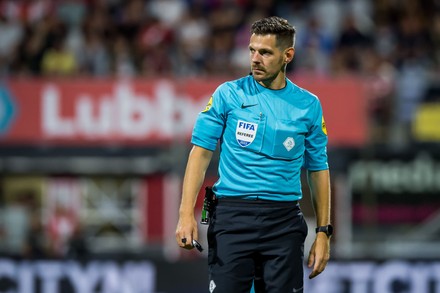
[318, 257]
[184, 235]
[311, 259]
[313, 262]
[183, 241]
[319, 265]
[316, 271]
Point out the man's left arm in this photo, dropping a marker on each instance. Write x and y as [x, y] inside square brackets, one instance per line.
[319, 183]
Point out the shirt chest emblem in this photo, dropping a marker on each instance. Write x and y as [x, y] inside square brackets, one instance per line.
[245, 132]
[289, 143]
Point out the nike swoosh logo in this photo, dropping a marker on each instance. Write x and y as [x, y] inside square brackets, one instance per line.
[243, 106]
[298, 290]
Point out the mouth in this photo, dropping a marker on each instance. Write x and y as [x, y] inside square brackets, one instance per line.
[256, 69]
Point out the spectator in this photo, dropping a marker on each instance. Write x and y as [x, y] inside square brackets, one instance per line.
[168, 12]
[122, 58]
[316, 48]
[94, 57]
[351, 44]
[27, 61]
[15, 225]
[413, 40]
[77, 245]
[61, 226]
[192, 33]
[10, 37]
[224, 22]
[411, 86]
[154, 45]
[35, 246]
[58, 60]
[379, 75]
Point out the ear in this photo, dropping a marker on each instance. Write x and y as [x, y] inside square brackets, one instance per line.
[288, 55]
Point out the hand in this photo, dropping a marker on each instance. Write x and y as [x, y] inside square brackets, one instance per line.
[186, 231]
[319, 254]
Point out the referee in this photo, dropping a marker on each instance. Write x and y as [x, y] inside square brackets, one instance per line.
[268, 129]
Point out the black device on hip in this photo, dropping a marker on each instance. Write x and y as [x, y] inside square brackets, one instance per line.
[208, 205]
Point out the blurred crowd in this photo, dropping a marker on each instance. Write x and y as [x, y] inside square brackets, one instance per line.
[394, 44]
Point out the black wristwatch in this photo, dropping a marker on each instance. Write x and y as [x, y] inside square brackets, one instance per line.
[328, 230]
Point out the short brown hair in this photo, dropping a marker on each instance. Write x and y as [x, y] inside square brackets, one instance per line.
[277, 26]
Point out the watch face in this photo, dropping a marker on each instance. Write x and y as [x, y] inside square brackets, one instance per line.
[329, 230]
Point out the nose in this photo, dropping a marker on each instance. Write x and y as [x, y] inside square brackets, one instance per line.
[255, 57]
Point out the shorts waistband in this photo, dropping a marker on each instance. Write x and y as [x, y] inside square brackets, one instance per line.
[254, 202]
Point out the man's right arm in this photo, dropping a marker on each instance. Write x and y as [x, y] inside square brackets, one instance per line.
[198, 162]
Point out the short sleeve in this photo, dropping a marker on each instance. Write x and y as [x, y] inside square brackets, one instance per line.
[315, 157]
[210, 123]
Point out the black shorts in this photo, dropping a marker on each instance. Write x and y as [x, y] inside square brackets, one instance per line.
[256, 240]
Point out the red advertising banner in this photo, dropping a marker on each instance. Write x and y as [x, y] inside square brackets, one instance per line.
[145, 112]
[344, 102]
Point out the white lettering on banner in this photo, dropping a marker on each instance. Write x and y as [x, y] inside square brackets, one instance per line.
[53, 124]
[89, 125]
[50, 273]
[371, 277]
[126, 114]
[83, 279]
[420, 274]
[26, 276]
[395, 272]
[420, 175]
[132, 277]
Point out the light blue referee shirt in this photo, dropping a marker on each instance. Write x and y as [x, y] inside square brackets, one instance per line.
[266, 136]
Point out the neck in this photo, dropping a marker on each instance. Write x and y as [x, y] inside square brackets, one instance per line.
[276, 83]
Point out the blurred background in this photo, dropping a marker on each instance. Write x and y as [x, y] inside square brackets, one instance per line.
[97, 103]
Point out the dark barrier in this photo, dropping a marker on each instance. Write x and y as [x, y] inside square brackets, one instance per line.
[109, 275]
[147, 276]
